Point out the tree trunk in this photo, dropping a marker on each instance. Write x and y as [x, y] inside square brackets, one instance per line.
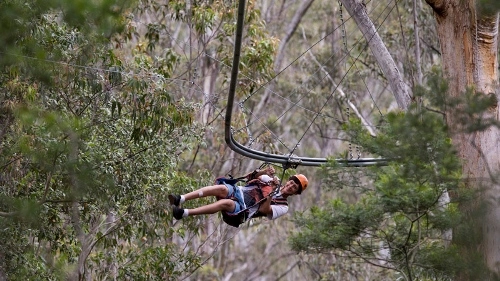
[210, 70]
[400, 89]
[469, 49]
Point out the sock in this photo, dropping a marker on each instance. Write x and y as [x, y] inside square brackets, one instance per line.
[186, 213]
[182, 199]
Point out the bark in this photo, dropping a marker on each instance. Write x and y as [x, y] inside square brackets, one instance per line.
[469, 56]
[210, 70]
[469, 45]
[400, 89]
[417, 44]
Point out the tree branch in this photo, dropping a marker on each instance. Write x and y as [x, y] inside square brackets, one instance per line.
[7, 215]
[287, 271]
[337, 87]
[47, 185]
[292, 26]
[400, 89]
[283, 43]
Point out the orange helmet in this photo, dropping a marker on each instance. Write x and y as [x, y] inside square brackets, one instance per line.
[301, 180]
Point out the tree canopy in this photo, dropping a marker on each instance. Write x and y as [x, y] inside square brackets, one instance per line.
[106, 107]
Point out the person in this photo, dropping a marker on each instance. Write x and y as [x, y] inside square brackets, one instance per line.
[260, 197]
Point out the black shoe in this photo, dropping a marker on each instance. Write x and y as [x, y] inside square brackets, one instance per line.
[175, 200]
[178, 212]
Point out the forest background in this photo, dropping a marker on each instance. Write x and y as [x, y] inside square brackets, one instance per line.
[109, 106]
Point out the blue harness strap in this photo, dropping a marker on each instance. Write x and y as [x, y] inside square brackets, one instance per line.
[230, 181]
[235, 219]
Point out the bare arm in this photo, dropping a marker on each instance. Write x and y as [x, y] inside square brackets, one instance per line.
[272, 211]
[265, 207]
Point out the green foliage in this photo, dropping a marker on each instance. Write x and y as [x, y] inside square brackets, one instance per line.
[157, 263]
[321, 230]
[93, 129]
[89, 151]
[20, 23]
[401, 210]
[258, 50]
[471, 109]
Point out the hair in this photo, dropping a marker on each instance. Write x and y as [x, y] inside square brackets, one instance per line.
[297, 181]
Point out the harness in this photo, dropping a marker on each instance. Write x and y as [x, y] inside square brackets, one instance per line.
[259, 194]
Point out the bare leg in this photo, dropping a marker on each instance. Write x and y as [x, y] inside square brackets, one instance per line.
[212, 190]
[226, 205]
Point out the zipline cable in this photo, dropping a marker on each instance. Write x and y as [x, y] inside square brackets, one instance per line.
[286, 160]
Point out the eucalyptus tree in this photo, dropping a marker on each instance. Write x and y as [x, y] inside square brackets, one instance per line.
[468, 36]
[90, 143]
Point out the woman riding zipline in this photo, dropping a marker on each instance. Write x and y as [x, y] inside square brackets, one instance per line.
[261, 196]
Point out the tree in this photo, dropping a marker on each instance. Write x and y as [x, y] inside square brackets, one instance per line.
[468, 36]
[469, 45]
[88, 148]
[399, 221]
